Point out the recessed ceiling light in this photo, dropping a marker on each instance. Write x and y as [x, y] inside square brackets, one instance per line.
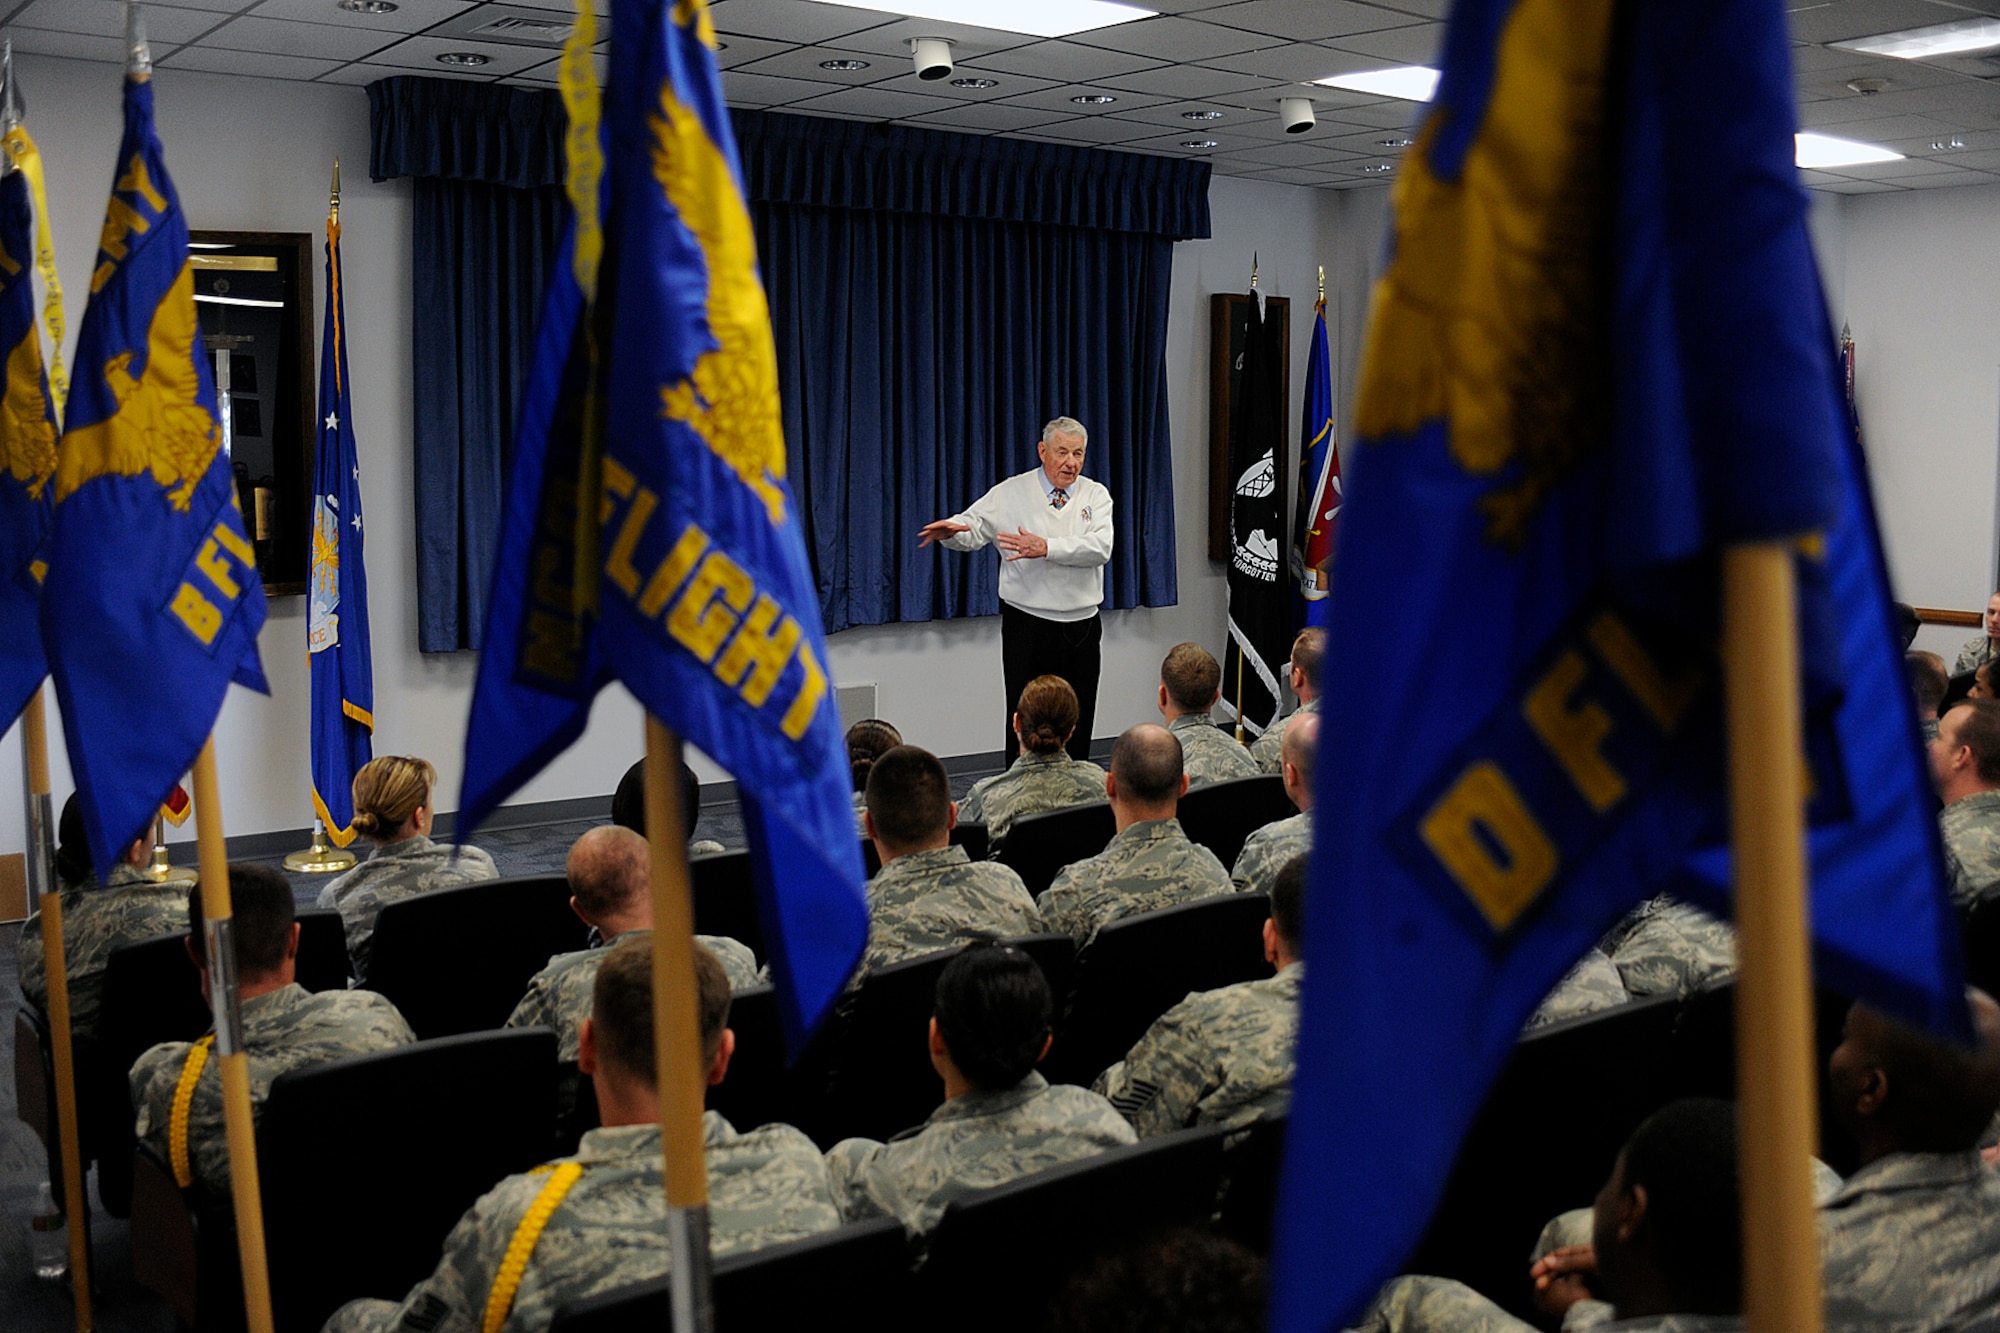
[1379, 168]
[1951, 145]
[1937, 39]
[1198, 143]
[1825, 151]
[1412, 83]
[843, 65]
[1201, 115]
[1037, 18]
[975, 83]
[1093, 99]
[466, 59]
[1394, 143]
[369, 6]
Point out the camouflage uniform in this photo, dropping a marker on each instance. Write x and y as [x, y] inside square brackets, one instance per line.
[1220, 1057]
[127, 909]
[1035, 783]
[1976, 653]
[1209, 754]
[1912, 1242]
[939, 899]
[392, 872]
[559, 995]
[1268, 750]
[970, 1143]
[609, 1231]
[1146, 866]
[285, 1029]
[1266, 851]
[1665, 947]
[1441, 1305]
[860, 809]
[1590, 987]
[1971, 829]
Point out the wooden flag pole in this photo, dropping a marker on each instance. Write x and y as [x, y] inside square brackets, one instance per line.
[226, 1002]
[677, 1034]
[46, 893]
[1774, 1036]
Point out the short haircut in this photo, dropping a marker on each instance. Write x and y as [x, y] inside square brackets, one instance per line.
[261, 911]
[1191, 676]
[1146, 762]
[993, 1011]
[1928, 680]
[388, 790]
[909, 797]
[1941, 1096]
[1685, 1157]
[1048, 712]
[1186, 1280]
[1288, 904]
[1979, 730]
[610, 871]
[621, 1006]
[73, 866]
[1065, 426]
[1300, 746]
[628, 803]
[1308, 653]
[868, 740]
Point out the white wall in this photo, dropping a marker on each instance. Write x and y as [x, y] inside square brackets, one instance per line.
[253, 154]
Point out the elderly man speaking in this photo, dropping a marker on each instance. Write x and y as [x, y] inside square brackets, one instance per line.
[1054, 526]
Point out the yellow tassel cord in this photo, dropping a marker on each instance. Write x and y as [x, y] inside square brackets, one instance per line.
[500, 1301]
[177, 1122]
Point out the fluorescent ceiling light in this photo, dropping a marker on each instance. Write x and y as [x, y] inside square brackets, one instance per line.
[1938, 39]
[239, 300]
[1412, 83]
[1825, 151]
[1037, 18]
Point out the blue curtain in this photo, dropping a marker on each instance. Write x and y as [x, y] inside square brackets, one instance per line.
[489, 214]
[936, 297]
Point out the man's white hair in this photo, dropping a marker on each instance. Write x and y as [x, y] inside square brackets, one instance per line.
[1065, 426]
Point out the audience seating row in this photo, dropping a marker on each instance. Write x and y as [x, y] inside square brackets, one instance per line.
[1219, 816]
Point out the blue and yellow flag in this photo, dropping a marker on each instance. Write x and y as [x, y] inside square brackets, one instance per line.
[153, 601]
[1599, 354]
[1318, 517]
[28, 450]
[695, 590]
[343, 674]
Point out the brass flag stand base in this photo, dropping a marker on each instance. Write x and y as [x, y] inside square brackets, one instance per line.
[322, 858]
[160, 871]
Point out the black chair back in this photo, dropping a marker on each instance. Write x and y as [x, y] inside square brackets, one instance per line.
[1017, 1244]
[1589, 1081]
[152, 993]
[1221, 815]
[1250, 1184]
[971, 836]
[459, 959]
[1038, 846]
[1981, 938]
[725, 898]
[762, 1087]
[1140, 966]
[820, 1281]
[322, 961]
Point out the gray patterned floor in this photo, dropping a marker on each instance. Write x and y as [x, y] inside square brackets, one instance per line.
[28, 1306]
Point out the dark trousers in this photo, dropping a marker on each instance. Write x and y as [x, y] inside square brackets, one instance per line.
[1031, 646]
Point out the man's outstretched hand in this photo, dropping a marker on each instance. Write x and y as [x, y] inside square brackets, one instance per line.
[938, 531]
[1562, 1278]
[1022, 545]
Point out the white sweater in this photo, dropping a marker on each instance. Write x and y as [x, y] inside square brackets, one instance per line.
[1068, 583]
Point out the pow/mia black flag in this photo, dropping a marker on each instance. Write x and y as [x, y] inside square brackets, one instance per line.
[1259, 619]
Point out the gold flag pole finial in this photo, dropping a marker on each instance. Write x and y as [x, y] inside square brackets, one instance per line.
[333, 201]
[138, 55]
[1322, 284]
[1253, 270]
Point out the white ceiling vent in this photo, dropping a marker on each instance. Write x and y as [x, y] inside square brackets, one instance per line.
[515, 27]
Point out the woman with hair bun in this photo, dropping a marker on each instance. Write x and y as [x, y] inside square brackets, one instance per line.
[392, 808]
[1044, 777]
[867, 740]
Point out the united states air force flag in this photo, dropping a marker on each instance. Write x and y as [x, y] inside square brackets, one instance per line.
[153, 601]
[1598, 355]
[343, 676]
[27, 453]
[690, 548]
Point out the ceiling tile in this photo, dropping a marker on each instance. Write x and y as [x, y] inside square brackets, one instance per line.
[967, 43]
[70, 46]
[793, 20]
[548, 74]
[1188, 81]
[757, 90]
[421, 53]
[1170, 38]
[1843, 20]
[1169, 116]
[362, 72]
[1225, 142]
[1307, 20]
[984, 116]
[1859, 187]
[1056, 98]
[1098, 131]
[212, 6]
[1004, 84]
[1418, 45]
[318, 41]
[1066, 62]
[740, 50]
[251, 64]
[1292, 176]
[874, 104]
[106, 18]
[803, 62]
[409, 15]
[1430, 9]
[1300, 62]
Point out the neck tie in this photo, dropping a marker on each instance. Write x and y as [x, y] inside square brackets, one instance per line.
[1059, 497]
